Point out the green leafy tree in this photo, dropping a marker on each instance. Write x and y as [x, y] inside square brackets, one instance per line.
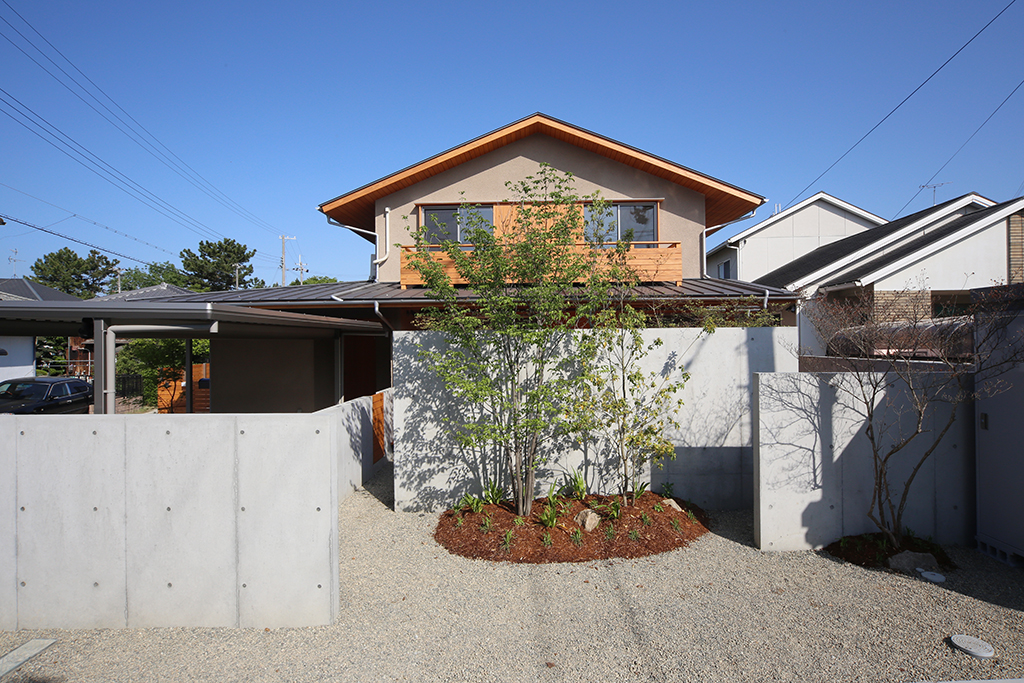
[70, 273]
[159, 361]
[314, 280]
[508, 355]
[154, 274]
[213, 269]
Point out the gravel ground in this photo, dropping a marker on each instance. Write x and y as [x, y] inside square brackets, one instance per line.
[719, 610]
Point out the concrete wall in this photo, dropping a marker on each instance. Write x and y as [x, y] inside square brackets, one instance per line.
[271, 375]
[482, 180]
[813, 467]
[20, 360]
[1000, 467]
[353, 443]
[110, 521]
[714, 457]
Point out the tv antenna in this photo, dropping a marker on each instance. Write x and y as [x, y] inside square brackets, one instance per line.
[13, 260]
[933, 186]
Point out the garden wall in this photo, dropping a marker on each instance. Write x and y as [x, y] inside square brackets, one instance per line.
[113, 521]
[813, 467]
[714, 455]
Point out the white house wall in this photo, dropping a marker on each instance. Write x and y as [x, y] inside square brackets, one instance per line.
[20, 359]
[483, 180]
[979, 260]
[714, 461]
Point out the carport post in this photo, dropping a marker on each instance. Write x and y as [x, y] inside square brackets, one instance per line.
[109, 371]
[188, 376]
[99, 376]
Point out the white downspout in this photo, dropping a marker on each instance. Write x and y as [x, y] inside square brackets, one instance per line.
[376, 239]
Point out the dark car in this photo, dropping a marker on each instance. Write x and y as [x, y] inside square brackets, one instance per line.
[43, 395]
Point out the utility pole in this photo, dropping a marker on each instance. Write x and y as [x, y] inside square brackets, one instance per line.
[283, 266]
[301, 267]
[933, 186]
[118, 280]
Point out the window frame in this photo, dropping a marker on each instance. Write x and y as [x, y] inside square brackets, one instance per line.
[425, 211]
[616, 205]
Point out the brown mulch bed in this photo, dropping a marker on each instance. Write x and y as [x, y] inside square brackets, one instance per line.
[871, 550]
[640, 530]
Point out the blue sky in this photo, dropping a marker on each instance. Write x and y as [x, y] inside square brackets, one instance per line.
[283, 106]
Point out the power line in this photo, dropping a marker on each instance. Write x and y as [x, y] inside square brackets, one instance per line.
[960, 148]
[89, 220]
[799, 194]
[166, 157]
[72, 239]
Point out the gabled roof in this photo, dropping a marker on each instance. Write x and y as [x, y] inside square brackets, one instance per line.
[33, 291]
[723, 203]
[796, 208]
[861, 245]
[145, 293]
[926, 244]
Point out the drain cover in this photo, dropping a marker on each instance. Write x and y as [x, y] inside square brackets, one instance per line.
[973, 646]
[934, 577]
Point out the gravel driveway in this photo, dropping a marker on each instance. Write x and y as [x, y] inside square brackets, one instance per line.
[719, 610]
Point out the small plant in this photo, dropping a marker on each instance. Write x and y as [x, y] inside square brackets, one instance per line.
[472, 502]
[675, 524]
[458, 520]
[486, 525]
[658, 507]
[552, 496]
[666, 489]
[641, 489]
[564, 507]
[645, 519]
[545, 540]
[609, 531]
[614, 509]
[493, 494]
[690, 516]
[507, 540]
[549, 516]
[634, 535]
[519, 521]
[577, 485]
[576, 537]
[909, 532]
[844, 542]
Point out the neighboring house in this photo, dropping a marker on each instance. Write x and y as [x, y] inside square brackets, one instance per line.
[936, 255]
[146, 293]
[18, 353]
[670, 207]
[788, 235]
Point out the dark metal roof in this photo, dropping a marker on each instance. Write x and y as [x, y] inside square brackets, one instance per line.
[218, 320]
[33, 291]
[364, 294]
[918, 244]
[824, 255]
[145, 293]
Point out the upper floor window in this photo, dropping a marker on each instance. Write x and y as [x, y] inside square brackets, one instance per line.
[725, 269]
[616, 221]
[455, 223]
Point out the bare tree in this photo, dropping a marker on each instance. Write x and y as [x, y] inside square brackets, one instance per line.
[908, 372]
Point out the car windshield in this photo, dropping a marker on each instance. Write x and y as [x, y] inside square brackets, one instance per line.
[24, 391]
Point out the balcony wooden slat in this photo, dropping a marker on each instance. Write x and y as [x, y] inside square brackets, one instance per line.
[653, 262]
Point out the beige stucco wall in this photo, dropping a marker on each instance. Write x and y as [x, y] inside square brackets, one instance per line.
[482, 180]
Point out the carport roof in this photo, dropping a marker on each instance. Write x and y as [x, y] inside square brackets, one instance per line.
[197, 320]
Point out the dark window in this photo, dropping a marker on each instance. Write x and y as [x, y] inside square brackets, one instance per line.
[455, 223]
[636, 221]
[725, 270]
[60, 390]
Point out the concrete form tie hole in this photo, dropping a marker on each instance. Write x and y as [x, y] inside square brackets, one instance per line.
[318, 509]
[168, 585]
[168, 509]
[318, 431]
[242, 431]
[95, 509]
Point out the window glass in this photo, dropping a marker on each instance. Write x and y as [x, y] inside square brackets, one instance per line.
[640, 219]
[60, 390]
[600, 225]
[455, 223]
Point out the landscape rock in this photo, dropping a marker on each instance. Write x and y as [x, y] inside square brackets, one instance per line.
[909, 562]
[587, 519]
[672, 504]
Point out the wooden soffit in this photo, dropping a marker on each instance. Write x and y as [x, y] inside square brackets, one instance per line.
[723, 202]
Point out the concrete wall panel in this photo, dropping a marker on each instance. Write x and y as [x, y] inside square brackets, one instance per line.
[8, 524]
[287, 500]
[814, 475]
[714, 457]
[182, 562]
[71, 522]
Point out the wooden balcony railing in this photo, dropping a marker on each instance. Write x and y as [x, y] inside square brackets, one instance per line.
[652, 261]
